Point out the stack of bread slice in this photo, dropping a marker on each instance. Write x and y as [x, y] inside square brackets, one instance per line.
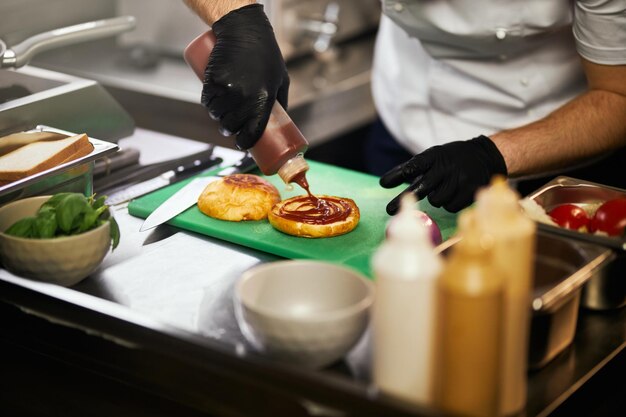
[39, 156]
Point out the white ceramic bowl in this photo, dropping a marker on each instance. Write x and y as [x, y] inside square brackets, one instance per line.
[63, 260]
[308, 313]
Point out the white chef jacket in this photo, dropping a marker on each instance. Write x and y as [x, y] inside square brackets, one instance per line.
[449, 70]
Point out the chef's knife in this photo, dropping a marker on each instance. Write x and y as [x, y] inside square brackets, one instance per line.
[188, 195]
[179, 173]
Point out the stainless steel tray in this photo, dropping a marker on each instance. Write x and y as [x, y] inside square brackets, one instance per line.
[562, 268]
[607, 289]
[567, 190]
[76, 175]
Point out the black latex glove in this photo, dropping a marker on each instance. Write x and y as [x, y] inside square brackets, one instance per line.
[245, 74]
[449, 175]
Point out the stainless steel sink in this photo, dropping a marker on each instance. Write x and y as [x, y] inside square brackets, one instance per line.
[31, 96]
[16, 85]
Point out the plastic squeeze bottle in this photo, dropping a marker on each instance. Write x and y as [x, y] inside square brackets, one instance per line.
[280, 150]
[471, 299]
[498, 214]
[406, 268]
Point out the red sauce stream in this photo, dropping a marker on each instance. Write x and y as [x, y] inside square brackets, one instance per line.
[300, 179]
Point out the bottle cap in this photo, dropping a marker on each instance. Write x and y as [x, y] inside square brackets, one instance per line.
[292, 168]
[408, 252]
[497, 199]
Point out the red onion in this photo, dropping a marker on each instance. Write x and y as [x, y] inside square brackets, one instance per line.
[431, 225]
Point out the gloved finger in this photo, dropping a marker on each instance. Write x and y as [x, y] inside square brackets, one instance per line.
[444, 193]
[212, 86]
[460, 201]
[221, 105]
[256, 117]
[405, 172]
[231, 124]
[421, 187]
[283, 93]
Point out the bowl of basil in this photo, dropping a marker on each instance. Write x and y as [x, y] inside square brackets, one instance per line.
[59, 239]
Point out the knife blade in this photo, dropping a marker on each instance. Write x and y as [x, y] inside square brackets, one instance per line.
[179, 173]
[187, 196]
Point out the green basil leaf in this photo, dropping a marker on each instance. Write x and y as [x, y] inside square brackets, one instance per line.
[54, 201]
[115, 233]
[70, 211]
[90, 219]
[46, 210]
[45, 227]
[21, 228]
[99, 202]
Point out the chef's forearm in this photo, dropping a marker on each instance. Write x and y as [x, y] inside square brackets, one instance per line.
[589, 125]
[212, 10]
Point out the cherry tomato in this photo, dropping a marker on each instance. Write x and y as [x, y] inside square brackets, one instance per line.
[610, 217]
[569, 216]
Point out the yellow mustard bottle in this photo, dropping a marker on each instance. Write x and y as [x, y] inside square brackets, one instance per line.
[406, 268]
[471, 299]
[498, 214]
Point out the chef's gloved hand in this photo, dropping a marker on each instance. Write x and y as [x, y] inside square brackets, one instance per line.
[245, 74]
[449, 175]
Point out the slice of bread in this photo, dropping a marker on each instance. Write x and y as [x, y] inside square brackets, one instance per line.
[40, 156]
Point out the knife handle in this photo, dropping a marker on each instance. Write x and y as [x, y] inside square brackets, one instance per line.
[194, 166]
[245, 164]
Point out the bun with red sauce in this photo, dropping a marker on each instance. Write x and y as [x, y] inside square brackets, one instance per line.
[321, 216]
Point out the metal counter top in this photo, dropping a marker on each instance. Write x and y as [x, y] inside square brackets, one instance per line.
[159, 313]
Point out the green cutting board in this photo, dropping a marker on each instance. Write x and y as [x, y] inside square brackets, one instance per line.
[353, 249]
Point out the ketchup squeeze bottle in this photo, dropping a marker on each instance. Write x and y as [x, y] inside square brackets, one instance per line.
[404, 321]
[281, 148]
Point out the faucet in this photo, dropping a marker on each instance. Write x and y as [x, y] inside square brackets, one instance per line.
[22, 53]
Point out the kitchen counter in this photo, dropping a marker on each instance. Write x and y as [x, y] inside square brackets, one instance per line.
[117, 326]
[156, 320]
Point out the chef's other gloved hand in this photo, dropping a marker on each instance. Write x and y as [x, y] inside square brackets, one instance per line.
[449, 175]
[245, 74]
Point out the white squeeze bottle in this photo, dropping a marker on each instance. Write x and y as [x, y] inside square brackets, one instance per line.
[406, 269]
[498, 214]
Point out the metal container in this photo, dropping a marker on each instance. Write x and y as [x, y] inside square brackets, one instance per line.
[562, 267]
[607, 288]
[75, 176]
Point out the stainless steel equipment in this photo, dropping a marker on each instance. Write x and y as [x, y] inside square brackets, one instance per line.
[33, 96]
[562, 269]
[607, 289]
[22, 53]
[29, 97]
[75, 176]
[330, 91]
[304, 26]
[301, 26]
